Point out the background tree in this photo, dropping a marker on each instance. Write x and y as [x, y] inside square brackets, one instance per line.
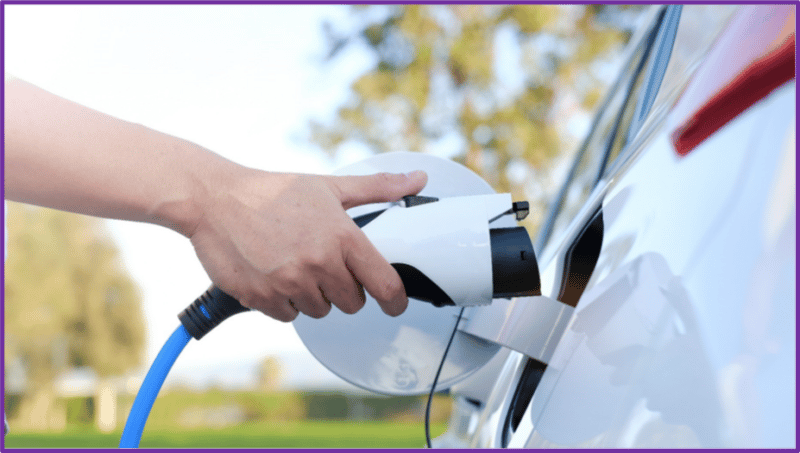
[270, 373]
[68, 302]
[500, 82]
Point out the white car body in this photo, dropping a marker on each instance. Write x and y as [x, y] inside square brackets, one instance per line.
[685, 333]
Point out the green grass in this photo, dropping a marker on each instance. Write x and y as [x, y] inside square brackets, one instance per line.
[294, 434]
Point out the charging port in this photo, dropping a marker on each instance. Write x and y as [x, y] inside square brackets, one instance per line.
[580, 261]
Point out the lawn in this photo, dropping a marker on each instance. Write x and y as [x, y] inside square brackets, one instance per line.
[294, 434]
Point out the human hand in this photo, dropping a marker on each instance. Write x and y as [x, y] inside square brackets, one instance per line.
[282, 243]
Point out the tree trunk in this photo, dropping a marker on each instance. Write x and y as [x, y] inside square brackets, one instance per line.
[106, 406]
[35, 410]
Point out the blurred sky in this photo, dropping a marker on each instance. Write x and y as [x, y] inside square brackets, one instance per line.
[239, 80]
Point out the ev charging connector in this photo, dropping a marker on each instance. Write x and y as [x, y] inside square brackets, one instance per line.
[450, 251]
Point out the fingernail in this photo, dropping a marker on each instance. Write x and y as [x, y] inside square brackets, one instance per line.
[415, 174]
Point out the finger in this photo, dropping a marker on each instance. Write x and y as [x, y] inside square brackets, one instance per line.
[380, 187]
[288, 314]
[324, 297]
[360, 289]
[343, 290]
[283, 311]
[311, 303]
[377, 275]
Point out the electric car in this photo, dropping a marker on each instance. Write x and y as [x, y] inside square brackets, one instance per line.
[673, 237]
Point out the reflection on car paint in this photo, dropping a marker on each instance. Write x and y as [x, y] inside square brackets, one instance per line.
[637, 339]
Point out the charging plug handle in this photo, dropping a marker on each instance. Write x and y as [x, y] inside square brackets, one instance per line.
[514, 273]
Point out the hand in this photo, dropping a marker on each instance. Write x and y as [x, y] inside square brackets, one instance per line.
[282, 243]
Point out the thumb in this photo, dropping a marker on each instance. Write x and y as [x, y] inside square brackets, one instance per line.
[380, 187]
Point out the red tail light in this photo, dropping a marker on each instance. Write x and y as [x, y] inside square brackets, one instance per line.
[752, 84]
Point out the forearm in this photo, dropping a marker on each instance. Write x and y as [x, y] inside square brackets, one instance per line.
[62, 155]
[276, 242]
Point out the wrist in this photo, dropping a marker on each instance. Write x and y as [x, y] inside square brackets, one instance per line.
[195, 190]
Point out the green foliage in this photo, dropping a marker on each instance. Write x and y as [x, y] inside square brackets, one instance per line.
[172, 406]
[69, 302]
[258, 406]
[531, 20]
[271, 420]
[436, 75]
[80, 410]
[342, 406]
[295, 434]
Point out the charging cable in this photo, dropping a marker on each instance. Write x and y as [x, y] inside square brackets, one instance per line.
[151, 385]
[436, 380]
[205, 313]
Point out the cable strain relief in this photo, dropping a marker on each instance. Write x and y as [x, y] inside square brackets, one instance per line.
[208, 311]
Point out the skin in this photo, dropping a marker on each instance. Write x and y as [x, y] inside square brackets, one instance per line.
[277, 242]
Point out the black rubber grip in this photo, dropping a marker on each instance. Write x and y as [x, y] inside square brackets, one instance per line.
[208, 311]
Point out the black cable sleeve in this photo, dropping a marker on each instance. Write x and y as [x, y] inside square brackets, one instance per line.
[208, 311]
[436, 380]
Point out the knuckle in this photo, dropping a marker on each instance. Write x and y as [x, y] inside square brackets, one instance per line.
[390, 179]
[320, 310]
[351, 306]
[382, 184]
[270, 304]
[317, 260]
[346, 237]
[288, 316]
[289, 275]
[286, 313]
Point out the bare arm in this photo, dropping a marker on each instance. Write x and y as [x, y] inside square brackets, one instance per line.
[65, 156]
[265, 238]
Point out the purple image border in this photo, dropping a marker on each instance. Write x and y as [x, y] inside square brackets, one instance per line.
[239, 2]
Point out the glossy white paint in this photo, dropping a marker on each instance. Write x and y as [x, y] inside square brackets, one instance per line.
[530, 325]
[686, 335]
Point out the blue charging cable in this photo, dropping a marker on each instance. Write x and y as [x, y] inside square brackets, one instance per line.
[205, 313]
[151, 385]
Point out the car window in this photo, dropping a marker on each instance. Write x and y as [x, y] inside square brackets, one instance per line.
[607, 136]
[670, 65]
[699, 27]
[643, 87]
[657, 67]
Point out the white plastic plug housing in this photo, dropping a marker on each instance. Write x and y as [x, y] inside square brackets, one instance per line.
[447, 241]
